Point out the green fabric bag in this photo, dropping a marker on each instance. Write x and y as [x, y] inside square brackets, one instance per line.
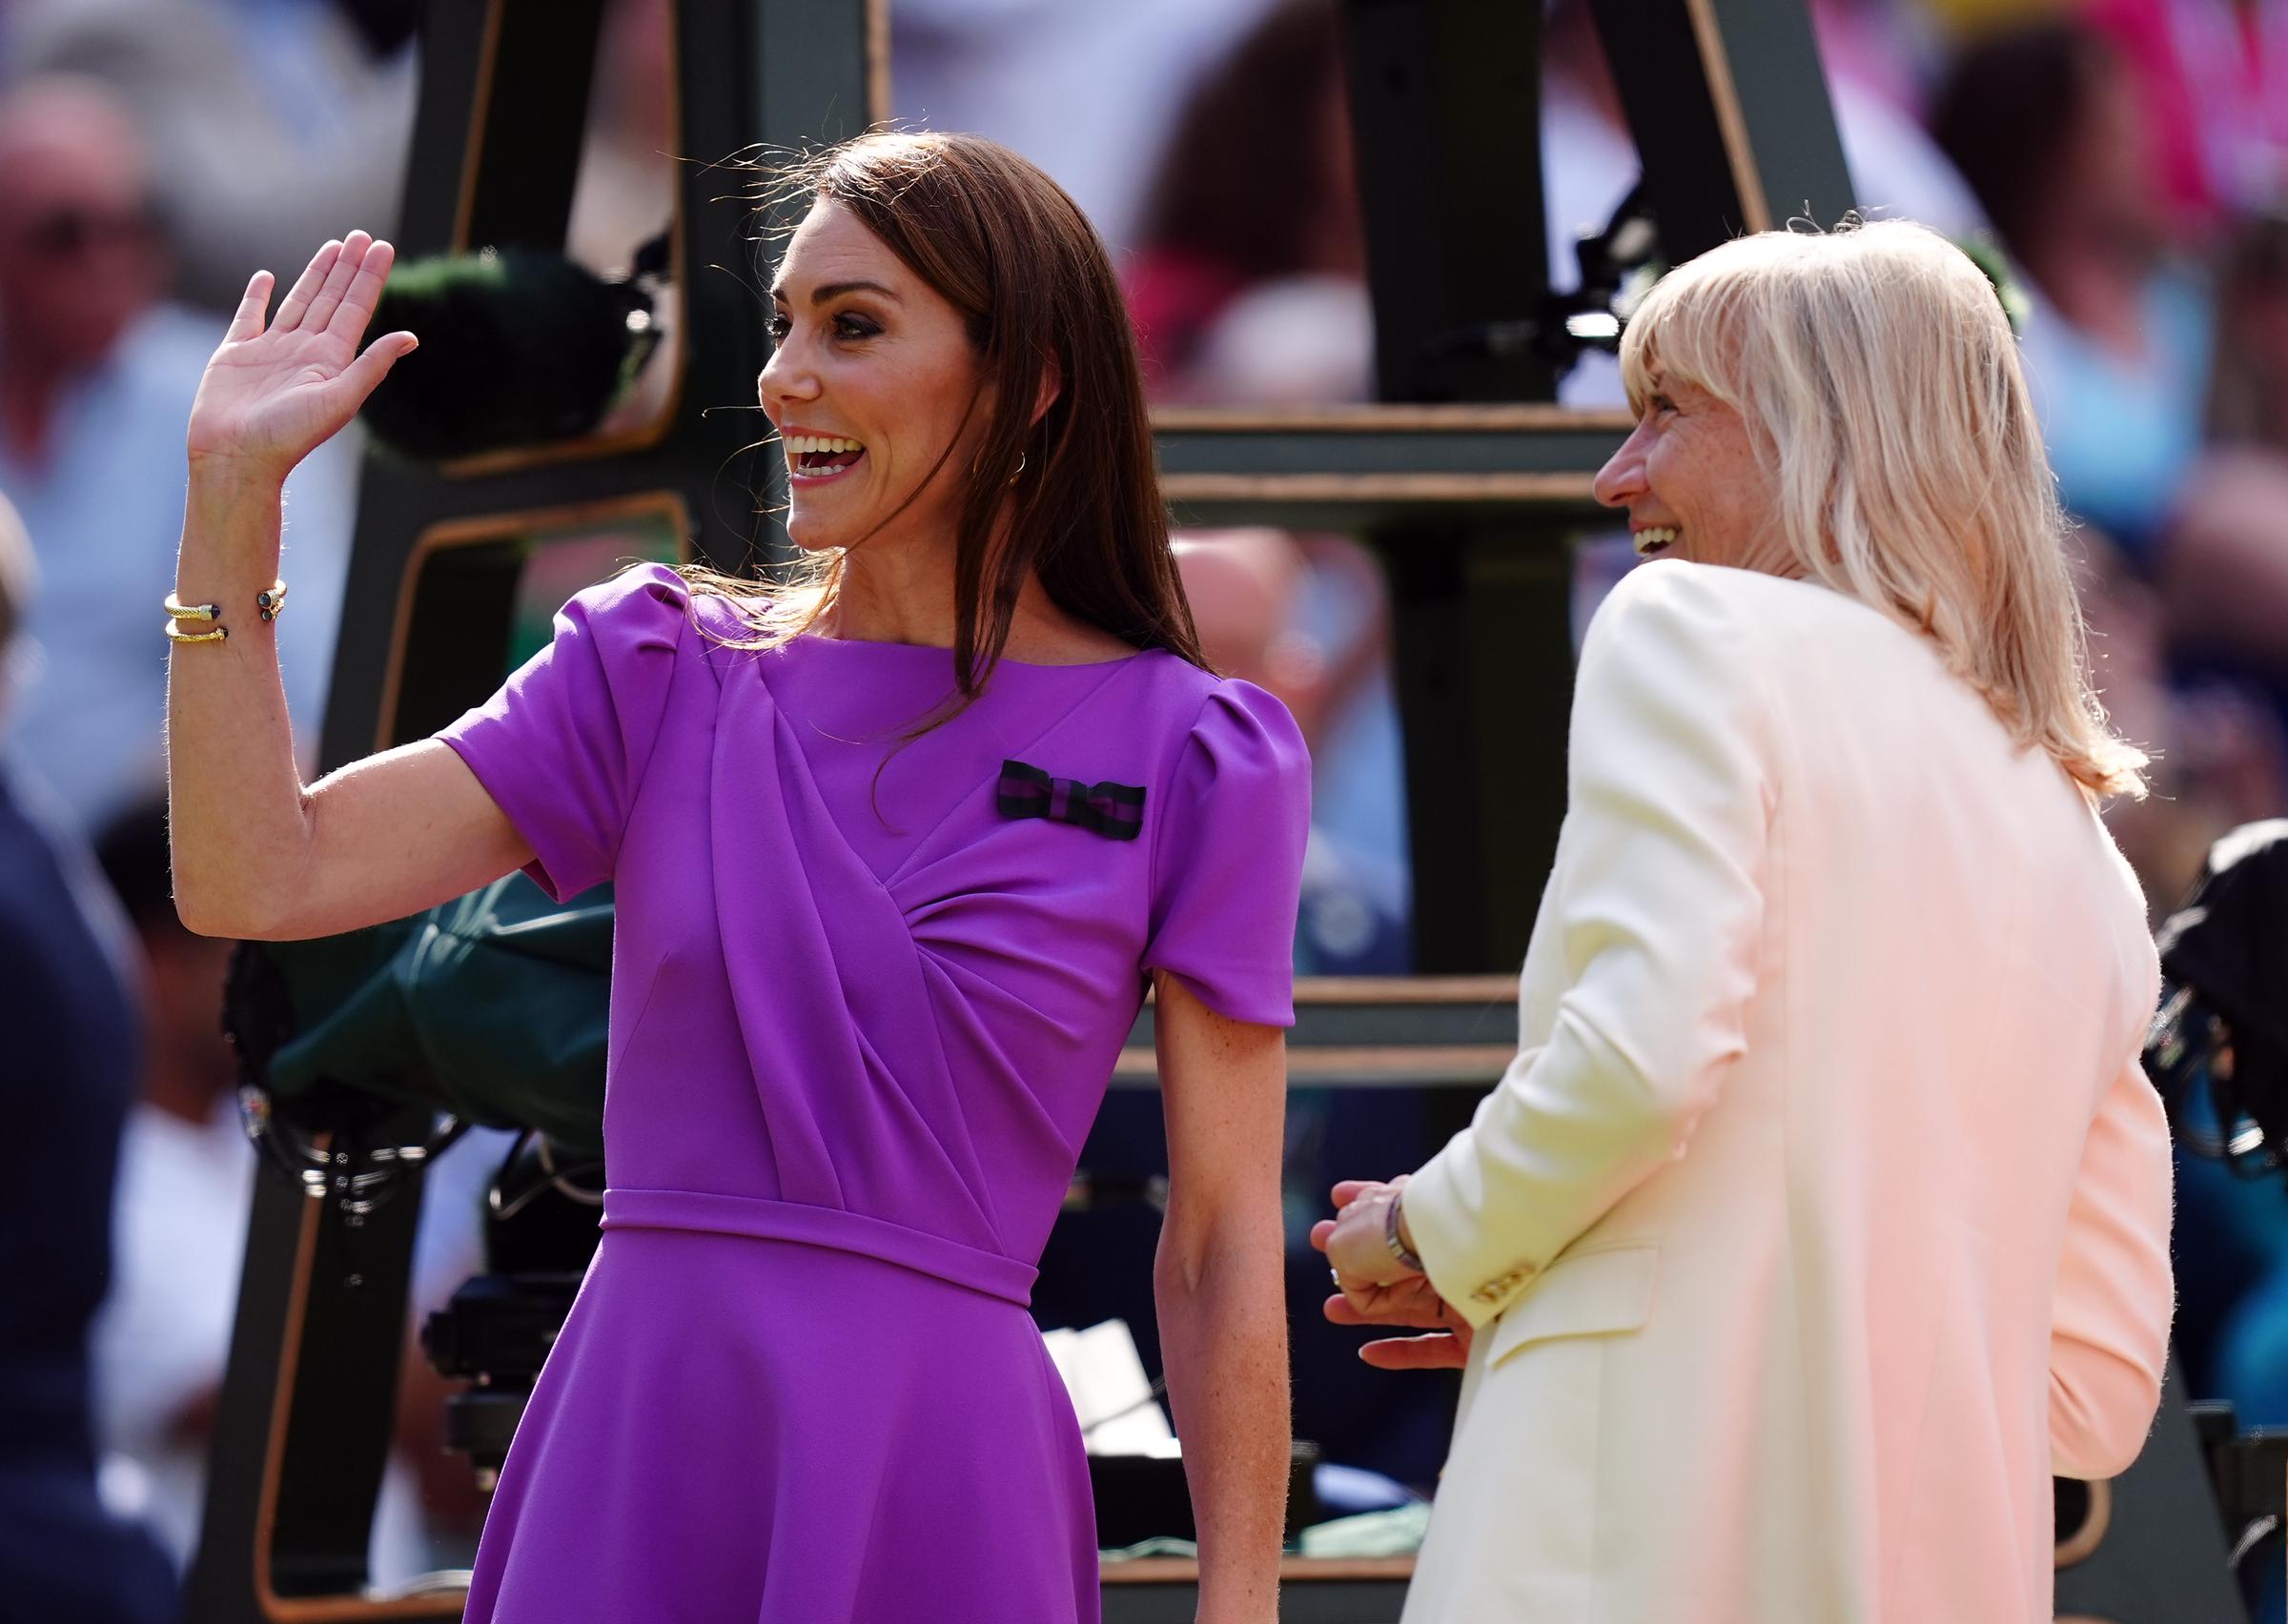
[493, 1007]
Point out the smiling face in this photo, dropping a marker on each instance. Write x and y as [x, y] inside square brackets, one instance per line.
[871, 382]
[1692, 483]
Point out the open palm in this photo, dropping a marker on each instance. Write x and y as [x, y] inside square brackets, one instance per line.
[272, 394]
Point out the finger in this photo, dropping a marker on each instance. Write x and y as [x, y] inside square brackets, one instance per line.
[1341, 1310]
[1351, 1189]
[1369, 1298]
[364, 374]
[357, 308]
[248, 322]
[305, 288]
[337, 281]
[1321, 1232]
[1440, 1352]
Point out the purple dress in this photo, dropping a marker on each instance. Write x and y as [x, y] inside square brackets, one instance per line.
[866, 1000]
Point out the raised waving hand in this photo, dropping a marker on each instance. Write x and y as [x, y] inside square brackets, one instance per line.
[273, 392]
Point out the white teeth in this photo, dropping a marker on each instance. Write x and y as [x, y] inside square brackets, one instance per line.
[1653, 538]
[797, 447]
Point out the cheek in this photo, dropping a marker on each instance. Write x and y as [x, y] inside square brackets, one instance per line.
[1668, 476]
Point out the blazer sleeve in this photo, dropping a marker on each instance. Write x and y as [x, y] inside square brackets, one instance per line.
[1658, 910]
[2109, 1334]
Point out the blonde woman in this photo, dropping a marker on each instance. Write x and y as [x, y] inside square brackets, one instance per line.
[1824, 1213]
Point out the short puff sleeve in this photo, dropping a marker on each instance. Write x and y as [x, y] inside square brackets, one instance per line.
[562, 746]
[1228, 857]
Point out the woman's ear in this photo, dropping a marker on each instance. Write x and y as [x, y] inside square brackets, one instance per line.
[1052, 385]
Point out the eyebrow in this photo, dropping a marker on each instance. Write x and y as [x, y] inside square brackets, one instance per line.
[829, 291]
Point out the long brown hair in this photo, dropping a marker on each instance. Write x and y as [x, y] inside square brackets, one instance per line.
[1074, 498]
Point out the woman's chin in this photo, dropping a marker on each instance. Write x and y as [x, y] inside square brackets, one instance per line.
[813, 534]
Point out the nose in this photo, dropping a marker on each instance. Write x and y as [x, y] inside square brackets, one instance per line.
[1622, 480]
[785, 378]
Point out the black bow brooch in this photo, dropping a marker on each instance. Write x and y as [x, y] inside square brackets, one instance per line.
[1113, 810]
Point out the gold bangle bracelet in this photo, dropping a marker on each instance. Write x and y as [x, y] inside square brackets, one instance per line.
[272, 604]
[175, 634]
[182, 611]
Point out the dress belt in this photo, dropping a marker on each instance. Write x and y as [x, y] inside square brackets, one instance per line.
[831, 1227]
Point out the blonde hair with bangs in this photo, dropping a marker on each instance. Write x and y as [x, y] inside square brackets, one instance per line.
[1880, 383]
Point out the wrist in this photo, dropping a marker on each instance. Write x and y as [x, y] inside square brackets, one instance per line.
[230, 477]
[1395, 1238]
[1405, 1234]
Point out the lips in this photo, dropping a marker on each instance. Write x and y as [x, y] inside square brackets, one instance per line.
[814, 459]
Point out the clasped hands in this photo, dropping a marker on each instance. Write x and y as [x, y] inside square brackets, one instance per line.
[1378, 1290]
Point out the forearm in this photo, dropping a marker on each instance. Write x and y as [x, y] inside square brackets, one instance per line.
[237, 813]
[1570, 1129]
[1224, 1340]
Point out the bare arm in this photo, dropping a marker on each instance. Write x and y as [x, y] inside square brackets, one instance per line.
[1221, 1289]
[255, 853]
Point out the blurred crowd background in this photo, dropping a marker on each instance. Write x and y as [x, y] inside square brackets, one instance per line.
[2129, 157]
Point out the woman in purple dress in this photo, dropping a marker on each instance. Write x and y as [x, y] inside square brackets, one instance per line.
[898, 850]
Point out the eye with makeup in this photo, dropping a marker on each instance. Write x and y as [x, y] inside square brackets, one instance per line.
[849, 326]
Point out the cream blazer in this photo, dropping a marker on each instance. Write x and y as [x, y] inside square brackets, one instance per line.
[1824, 1213]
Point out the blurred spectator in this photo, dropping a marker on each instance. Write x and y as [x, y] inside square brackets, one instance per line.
[73, 1048]
[625, 190]
[2220, 756]
[2119, 347]
[1083, 90]
[2249, 406]
[185, 1189]
[624, 194]
[1249, 282]
[2045, 125]
[2226, 569]
[272, 124]
[2211, 80]
[96, 378]
[184, 1173]
[1252, 593]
